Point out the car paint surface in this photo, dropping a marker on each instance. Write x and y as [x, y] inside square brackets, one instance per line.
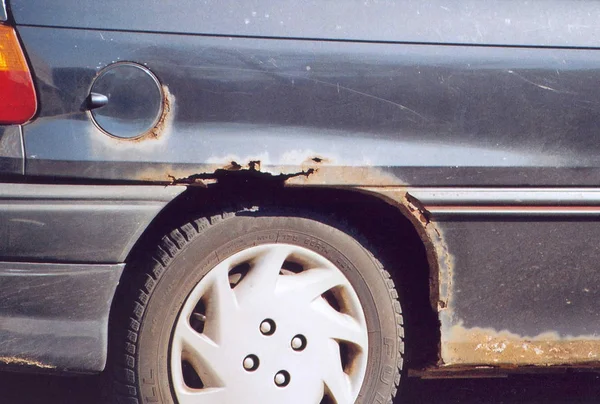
[426, 114]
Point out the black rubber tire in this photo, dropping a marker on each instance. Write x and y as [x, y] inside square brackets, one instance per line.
[148, 305]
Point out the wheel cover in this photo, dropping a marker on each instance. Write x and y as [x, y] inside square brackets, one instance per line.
[275, 323]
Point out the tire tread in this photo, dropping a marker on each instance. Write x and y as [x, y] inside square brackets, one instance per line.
[123, 383]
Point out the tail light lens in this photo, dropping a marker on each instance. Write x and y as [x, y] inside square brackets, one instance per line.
[18, 101]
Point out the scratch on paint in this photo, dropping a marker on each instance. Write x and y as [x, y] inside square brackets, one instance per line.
[543, 87]
[338, 86]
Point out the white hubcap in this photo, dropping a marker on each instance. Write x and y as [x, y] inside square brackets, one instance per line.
[272, 324]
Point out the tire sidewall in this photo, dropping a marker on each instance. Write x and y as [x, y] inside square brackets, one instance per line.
[238, 233]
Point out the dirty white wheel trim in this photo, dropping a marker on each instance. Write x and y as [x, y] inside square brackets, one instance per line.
[272, 337]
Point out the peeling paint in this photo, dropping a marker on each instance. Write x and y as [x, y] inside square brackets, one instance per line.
[486, 346]
[13, 360]
[220, 161]
[288, 159]
[344, 176]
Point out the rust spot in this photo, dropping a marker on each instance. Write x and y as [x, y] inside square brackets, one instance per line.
[13, 360]
[163, 123]
[233, 166]
[318, 160]
[254, 165]
[419, 209]
[486, 346]
[342, 176]
[188, 181]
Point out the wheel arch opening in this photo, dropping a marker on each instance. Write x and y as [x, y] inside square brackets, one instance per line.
[388, 229]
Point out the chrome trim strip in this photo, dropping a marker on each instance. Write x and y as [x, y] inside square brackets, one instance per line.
[457, 202]
[506, 196]
[446, 211]
[3, 13]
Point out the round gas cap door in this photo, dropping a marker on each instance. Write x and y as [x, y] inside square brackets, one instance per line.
[134, 100]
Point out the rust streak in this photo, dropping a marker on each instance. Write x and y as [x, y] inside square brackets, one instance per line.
[13, 360]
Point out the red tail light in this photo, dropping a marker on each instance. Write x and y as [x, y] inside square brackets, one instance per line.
[18, 101]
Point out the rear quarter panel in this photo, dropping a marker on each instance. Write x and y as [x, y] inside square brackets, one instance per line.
[367, 93]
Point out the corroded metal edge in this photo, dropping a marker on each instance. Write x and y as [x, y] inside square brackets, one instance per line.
[476, 346]
[470, 347]
[441, 262]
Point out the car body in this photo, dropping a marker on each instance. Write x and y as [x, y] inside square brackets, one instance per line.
[474, 123]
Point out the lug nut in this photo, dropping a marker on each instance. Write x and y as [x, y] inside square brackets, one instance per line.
[282, 378]
[250, 363]
[267, 327]
[298, 342]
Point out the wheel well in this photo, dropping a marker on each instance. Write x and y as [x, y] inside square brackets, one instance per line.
[387, 230]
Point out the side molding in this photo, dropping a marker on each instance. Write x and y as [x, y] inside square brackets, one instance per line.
[444, 203]
[76, 223]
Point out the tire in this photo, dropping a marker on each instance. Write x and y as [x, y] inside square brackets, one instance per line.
[258, 306]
